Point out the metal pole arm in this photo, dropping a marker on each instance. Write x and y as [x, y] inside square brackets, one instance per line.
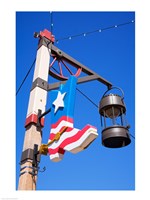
[84, 79]
[77, 64]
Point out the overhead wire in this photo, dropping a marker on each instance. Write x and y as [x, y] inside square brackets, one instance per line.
[132, 136]
[51, 29]
[25, 77]
[94, 31]
[51, 22]
[87, 97]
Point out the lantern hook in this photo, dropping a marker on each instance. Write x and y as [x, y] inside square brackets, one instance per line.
[114, 87]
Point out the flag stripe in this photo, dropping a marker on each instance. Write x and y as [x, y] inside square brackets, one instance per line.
[82, 142]
[77, 134]
[56, 157]
[62, 124]
[63, 118]
[63, 137]
[52, 135]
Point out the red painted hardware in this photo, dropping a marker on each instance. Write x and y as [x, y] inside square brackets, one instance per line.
[47, 35]
[33, 118]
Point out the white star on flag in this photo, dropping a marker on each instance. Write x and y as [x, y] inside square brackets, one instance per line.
[59, 102]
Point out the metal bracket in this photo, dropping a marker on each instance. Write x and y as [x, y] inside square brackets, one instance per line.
[40, 115]
[45, 36]
[37, 119]
[29, 154]
[39, 82]
[33, 168]
[32, 173]
[79, 81]
[32, 154]
[45, 86]
[77, 64]
[35, 156]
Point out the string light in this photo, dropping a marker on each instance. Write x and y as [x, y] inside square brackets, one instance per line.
[94, 31]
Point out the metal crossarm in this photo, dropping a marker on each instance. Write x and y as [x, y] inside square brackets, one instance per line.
[91, 74]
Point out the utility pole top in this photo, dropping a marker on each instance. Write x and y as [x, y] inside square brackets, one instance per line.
[45, 33]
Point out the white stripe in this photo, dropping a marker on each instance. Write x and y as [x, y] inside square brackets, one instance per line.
[80, 144]
[64, 136]
[56, 157]
[60, 125]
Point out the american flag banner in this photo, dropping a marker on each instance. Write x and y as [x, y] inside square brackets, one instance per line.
[70, 139]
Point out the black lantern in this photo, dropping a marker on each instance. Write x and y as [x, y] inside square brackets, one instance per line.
[115, 131]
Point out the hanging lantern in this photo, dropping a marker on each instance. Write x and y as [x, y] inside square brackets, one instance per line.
[115, 131]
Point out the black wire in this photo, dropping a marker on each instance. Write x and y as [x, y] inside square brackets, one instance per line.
[25, 77]
[94, 31]
[55, 69]
[80, 92]
[87, 97]
[132, 136]
[51, 19]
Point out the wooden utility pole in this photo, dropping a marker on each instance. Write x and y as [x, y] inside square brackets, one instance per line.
[37, 101]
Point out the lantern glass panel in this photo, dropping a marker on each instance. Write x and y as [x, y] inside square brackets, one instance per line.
[112, 112]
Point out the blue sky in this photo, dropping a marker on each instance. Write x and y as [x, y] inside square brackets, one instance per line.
[109, 53]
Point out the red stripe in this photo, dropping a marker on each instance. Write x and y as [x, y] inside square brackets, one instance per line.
[60, 150]
[70, 140]
[65, 118]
